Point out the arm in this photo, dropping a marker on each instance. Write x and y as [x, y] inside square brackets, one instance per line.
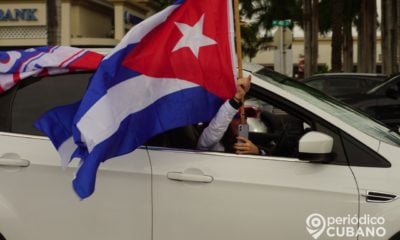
[213, 134]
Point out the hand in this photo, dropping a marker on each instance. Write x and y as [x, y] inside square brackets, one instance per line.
[245, 146]
[242, 87]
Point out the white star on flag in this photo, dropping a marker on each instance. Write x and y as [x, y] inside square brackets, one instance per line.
[193, 37]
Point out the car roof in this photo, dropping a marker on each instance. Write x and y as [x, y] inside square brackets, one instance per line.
[348, 76]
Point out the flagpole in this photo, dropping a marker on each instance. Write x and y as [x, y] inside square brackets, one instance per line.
[238, 41]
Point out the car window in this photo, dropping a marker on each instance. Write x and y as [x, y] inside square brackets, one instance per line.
[270, 127]
[273, 127]
[343, 86]
[317, 84]
[395, 86]
[381, 88]
[36, 96]
[5, 109]
[370, 83]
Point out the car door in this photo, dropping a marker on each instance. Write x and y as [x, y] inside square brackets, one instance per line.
[36, 196]
[209, 195]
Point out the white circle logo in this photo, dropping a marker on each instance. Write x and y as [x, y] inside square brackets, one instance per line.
[315, 224]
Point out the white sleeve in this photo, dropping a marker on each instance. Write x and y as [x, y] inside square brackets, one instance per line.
[213, 134]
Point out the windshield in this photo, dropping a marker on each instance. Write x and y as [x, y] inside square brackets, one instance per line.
[328, 104]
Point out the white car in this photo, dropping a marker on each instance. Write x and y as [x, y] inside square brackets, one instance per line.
[331, 173]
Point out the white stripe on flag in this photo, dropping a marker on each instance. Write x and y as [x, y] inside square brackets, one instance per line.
[104, 117]
[73, 58]
[66, 150]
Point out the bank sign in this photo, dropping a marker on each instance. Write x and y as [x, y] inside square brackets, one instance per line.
[18, 14]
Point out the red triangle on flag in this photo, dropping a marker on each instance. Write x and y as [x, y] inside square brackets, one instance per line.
[192, 44]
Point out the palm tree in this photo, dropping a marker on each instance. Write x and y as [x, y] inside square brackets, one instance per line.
[389, 36]
[263, 12]
[311, 29]
[351, 10]
[252, 42]
[366, 60]
[329, 21]
[260, 14]
[337, 35]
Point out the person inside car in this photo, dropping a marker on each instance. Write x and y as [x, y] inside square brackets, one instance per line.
[221, 134]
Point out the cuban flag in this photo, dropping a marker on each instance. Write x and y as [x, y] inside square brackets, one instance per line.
[176, 68]
[42, 61]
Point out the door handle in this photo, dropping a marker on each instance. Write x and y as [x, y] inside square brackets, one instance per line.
[379, 197]
[13, 160]
[187, 177]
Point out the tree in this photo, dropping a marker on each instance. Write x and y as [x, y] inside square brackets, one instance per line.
[367, 37]
[389, 36]
[260, 14]
[252, 42]
[328, 14]
[398, 32]
[311, 29]
[263, 12]
[351, 10]
[337, 35]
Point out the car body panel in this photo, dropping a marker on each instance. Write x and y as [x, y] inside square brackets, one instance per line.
[42, 204]
[384, 180]
[250, 196]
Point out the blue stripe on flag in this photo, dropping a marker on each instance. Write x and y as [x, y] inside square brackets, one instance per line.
[167, 113]
[57, 123]
[110, 73]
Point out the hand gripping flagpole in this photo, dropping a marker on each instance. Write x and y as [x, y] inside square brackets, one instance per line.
[238, 42]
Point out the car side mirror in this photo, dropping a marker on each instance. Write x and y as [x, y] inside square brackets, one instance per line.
[316, 147]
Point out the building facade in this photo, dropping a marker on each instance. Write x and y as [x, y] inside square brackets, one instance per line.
[83, 23]
[324, 55]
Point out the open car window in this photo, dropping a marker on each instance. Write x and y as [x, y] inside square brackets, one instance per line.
[33, 97]
[270, 127]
